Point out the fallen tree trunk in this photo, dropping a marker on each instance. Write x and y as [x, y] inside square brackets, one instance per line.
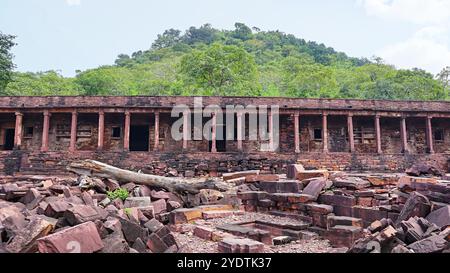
[98, 169]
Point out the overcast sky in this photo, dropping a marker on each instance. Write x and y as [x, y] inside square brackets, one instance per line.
[67, 35]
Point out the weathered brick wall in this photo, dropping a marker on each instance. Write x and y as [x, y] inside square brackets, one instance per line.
[212, 164]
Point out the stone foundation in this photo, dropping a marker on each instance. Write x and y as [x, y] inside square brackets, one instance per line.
[213, 164]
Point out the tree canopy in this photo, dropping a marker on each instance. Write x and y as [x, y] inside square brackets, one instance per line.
[244, 61]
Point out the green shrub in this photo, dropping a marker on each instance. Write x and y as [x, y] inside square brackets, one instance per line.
[118, 193]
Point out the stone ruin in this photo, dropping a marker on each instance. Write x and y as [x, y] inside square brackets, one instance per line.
[259, 212]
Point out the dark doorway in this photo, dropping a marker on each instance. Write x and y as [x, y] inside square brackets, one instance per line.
[220, 139]
[139, 138]
[9, 139]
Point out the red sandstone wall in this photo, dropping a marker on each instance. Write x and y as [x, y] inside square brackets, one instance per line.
[212, 164]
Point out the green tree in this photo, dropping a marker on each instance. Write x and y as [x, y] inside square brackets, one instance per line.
[6, 64]
[107, 80]
[169, 38]
[204, 34]
[41, 84]
[221, 70]
[242, 32]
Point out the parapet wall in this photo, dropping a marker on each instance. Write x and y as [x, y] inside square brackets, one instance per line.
[212, 164]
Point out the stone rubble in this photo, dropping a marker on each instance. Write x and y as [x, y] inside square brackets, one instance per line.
[303, 211]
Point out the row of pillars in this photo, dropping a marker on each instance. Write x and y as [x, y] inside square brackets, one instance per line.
[403, 133]
[126, 145]
[73, 130]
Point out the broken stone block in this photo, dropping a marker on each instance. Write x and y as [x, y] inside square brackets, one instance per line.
[412, 229]
[379, 225]
[422, 169]
[343, 236]
[83, 238]
[112, 225]
[237, 181]
[228, 176]
[364, 201]
[337, 200]
[440, 217]
[261, 178]
[216, 214]
[248, 195]
[148, 212]
[302, 175]
[172, 205]
[115, 243]
[416, 205]
[368, 214]
[319, 220]
[237, 245]
[206, 233]
[184, 215]
[81, 213]
[333, 220]
[411, 183]
[26, 240]
[156, 244]
[353, 183]
[56, 209]
[159, 206]
[282, 240]
[382, 180]
[320, 208]
[153, 225]
[400, 249]
[135, 202]
[32, 198]
[293, 170]
[314, 188]
[132, 231]
[433, 244]
[156, 195]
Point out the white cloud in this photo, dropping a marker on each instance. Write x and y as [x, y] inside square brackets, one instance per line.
[73, 2]
[427, 49]
[415, 11]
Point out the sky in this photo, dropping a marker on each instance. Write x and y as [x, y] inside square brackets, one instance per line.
[70, 35]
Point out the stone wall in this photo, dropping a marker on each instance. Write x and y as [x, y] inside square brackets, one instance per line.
[202, 164]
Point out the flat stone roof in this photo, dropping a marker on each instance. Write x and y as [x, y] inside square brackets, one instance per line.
[20, 102]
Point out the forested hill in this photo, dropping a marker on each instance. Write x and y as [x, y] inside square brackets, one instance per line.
[245, 62]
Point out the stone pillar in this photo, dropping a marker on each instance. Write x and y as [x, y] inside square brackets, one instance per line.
[18, 130]
[271, 131]
[240, 131]
[185, 129]
[429, 133]
[378, 134]
[296, 131]
[213, 133]
[351, 139]
[45, 130]
[325, 132]
[126, 131]
[73, 132]
[403, 135]
[156, 144]
[101, 129]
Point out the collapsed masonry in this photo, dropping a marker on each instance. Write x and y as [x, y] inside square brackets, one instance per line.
[353, 212]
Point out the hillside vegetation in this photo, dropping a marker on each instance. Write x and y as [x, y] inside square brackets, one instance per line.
[240, 62]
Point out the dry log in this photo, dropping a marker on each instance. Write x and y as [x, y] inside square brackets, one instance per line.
[94, 168]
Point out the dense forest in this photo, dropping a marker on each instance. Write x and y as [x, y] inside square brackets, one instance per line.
[241, 62]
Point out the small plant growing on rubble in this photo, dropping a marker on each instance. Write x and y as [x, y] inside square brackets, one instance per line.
[118, 193]
[127, 211]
